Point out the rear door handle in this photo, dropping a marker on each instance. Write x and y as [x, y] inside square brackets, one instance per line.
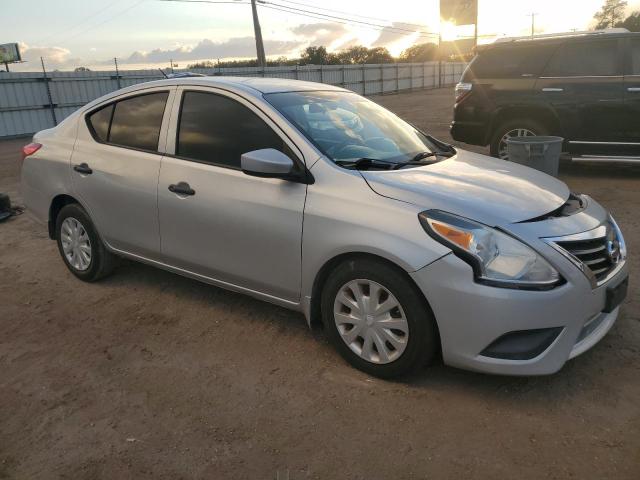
[633, 89]
[548, 89]
[182, 188]
[83, 168]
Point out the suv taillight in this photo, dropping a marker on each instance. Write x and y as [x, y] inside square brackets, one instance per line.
[462, 90]
[30, 149]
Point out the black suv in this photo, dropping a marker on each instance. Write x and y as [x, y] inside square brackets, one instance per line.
[582, 87]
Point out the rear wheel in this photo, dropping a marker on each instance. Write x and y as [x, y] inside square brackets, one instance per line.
[377, 319]
[83, 252]
[512, 129]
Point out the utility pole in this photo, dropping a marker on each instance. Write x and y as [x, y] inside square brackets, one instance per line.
[533, 23]
[262, 59]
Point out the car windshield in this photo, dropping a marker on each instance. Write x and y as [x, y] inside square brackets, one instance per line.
[347, 127]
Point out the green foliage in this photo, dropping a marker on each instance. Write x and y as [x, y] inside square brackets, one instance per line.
[612, 13]
[423, 52]
[631, 23]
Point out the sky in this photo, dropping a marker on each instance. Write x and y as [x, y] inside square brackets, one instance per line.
[148, 33]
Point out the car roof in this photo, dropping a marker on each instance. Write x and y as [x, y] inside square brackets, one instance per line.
[551, 39]
[251, 85]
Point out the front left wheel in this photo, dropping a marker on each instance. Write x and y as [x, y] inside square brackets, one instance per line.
[83, 252]
[377, 318]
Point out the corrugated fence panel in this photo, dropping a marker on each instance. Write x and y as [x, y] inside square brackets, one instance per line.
[25, 106]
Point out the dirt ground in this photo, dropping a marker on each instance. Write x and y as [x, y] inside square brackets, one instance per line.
[151, 375]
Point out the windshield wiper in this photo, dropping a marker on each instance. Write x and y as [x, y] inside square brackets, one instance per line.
[366, 164]
[420, 157]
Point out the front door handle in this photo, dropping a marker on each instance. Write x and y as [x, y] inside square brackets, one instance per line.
[548, 89]
[83, 168]
[633, 89]
[182, 188]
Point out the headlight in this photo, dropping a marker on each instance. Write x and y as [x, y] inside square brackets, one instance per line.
[496, 258]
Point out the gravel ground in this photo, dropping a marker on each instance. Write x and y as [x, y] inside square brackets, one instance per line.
[151, 375]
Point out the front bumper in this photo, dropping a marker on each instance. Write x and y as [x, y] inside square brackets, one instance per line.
[473, 133]
[470, 316]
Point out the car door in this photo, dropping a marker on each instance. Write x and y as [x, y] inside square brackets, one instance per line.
[237, 229]
[631, 114]
[583, 83]
[115, 168]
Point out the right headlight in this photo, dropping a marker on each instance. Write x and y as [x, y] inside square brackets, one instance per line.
[497, 259]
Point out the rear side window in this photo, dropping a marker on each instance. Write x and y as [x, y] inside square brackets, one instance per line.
[512, 61]
[635, 56]
[100, 121]
[134, 122]
[582, 59]
[218, 130]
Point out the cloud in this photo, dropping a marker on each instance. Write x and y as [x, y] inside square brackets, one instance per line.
[207, 49]
[325, 34]
[389, 36]
[54, 57]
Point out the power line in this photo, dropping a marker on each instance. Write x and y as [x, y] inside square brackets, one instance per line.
[265, 3]
[77, 23]
[113, 17]
[349, 13]
[318, 16]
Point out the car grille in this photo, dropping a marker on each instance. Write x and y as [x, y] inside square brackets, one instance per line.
[592, 253]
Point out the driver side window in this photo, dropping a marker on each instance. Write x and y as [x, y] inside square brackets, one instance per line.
[217, 130]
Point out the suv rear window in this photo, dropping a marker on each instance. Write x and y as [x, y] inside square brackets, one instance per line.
[635, 56]
[581, 59]
[512, 61]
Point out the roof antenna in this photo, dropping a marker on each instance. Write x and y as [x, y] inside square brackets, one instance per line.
[163, 74]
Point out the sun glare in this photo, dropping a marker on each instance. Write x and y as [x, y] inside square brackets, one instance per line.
[448, 31]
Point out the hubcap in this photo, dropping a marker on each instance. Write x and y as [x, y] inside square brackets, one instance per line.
[503, 151]
[370, 320]
[75, 244]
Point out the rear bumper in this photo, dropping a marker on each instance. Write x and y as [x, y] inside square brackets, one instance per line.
[474, 133]
[472, 316]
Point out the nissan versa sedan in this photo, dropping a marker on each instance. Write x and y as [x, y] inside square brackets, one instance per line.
[317, 199]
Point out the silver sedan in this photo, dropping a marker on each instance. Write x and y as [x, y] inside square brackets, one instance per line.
[317, 199]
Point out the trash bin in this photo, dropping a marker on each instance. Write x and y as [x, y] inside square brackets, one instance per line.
[541, 153]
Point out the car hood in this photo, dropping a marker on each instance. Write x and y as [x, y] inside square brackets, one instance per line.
[491, 191]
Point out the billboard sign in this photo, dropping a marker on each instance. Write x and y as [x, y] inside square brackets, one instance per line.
[459, 12]
[9, 53]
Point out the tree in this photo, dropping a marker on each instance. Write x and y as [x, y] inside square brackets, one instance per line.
[82, 69]
[204, 64]
[353, 55]
[631, 23]
[611, 13]
[424, 52]
[317, 56]
[378, 55]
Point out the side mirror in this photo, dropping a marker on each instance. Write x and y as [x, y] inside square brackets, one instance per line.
[268, 162]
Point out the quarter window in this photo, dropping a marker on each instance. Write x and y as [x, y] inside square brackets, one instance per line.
[580, 59]
[133, 122]
[218, 130]
[100, 122]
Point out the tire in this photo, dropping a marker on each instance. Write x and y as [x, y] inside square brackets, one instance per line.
[414, 348]
[76, 234]
[522, 124]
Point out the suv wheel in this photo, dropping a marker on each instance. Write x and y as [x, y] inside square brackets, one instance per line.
[510, 129]
[83, 252]
[377, 319]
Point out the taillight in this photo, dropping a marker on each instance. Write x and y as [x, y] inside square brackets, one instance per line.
[30, 149]
[462, 90]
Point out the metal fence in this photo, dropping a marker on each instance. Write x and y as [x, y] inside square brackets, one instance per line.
[30, 102]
